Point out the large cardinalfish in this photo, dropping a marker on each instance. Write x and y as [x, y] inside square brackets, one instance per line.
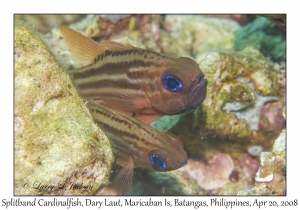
[137, 82]
[137, 145]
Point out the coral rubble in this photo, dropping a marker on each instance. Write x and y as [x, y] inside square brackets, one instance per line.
[58, 149]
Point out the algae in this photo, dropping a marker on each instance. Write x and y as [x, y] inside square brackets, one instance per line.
[57, 145]
[262, 34]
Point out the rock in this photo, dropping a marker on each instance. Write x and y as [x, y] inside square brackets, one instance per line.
[272, 117]
[212, 175]
[271, 176]
[192, 35]
[57, 145]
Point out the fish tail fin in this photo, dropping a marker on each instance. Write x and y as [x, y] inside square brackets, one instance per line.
[83, 50]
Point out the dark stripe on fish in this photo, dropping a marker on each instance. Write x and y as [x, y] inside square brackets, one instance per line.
[118, 132]
[125, 84]
[105, 114]
[123, 134]
[110, 67]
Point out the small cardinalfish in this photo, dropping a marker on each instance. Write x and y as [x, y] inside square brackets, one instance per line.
[137, 145]
[134, 81]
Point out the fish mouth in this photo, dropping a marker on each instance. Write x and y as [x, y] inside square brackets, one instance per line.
[185, 160]
[197, 93]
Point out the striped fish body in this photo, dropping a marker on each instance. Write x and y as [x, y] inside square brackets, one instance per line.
[132, 138]
[137, 144]
[134, 81]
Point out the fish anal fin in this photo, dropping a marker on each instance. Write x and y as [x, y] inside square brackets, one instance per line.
[111, 45]
[83, 50]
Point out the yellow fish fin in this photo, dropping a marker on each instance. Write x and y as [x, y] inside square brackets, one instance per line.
[111, 45]
[123, 179]
[83, 50]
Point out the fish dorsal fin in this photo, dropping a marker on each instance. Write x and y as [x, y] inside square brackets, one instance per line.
[82, 49]
[111, 45]
[123, 179]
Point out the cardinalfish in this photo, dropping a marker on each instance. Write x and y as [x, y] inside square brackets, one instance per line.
[138, 82]
[137, 145]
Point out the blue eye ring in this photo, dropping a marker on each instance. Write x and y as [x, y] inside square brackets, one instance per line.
[157, 162]
[172, 83]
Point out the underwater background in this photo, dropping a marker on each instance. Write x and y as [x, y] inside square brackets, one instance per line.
[235, 140]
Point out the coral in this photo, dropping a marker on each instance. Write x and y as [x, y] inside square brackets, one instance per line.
[215, 174]
[246, 81]
[241, 19]
[127, 30]
[19, 125]
[249, 165]
[113, 18]
[44, 23]
[272, 117]
[249, 112]
[271, 176]
[264, 36]
[57, 145]
[192, 35]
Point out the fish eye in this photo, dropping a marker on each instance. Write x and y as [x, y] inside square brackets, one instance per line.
[172, 83]
[158, 162]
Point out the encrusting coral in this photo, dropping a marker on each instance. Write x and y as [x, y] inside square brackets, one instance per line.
[58, 149]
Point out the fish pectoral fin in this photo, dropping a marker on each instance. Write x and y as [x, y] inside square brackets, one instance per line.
[123, 179]
[145, 118]
[83, 50]
[111, 45]
[122, 182]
